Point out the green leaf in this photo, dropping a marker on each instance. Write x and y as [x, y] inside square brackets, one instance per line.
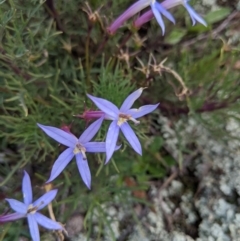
[218, 15]
[156, 144]
[175, 36]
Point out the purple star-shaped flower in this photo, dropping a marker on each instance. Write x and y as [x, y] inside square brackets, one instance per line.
[120, 119]
[167, 4]
[30, 209]
[157, 10]
[76, 147]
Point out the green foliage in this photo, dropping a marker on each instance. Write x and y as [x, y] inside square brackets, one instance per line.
[113, 82]
[217, 15]
[51, 57]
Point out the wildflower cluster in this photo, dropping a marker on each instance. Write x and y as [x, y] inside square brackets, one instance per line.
[79, 147]
[157, 10]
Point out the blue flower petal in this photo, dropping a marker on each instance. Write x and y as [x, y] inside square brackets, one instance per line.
[163, 11]
[95, 147]
[158, 16]
[11, 217]
[91, 131]
[111, 140]
[59, 135]
[27, 189]
[45, 199]
[131, 137]
[143, 110]
[128, 102]
[105, 106]
[61, 163]
[84, 170]
[194, 16]
[17, 206]
[33, 226]
[47, 222]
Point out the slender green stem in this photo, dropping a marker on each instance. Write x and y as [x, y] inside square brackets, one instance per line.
[100, 48]
[87, 59]
[10, 174]
[125, 40]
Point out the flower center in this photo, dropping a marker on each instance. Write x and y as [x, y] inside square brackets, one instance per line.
[80, 149]
[32, 209]
[124, 118]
